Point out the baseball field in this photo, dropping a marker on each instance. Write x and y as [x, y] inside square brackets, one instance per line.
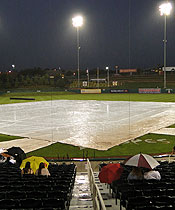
[150, 143]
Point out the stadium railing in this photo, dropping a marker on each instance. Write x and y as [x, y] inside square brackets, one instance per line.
[98, 202]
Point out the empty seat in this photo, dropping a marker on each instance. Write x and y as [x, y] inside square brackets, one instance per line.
[8, 204]
[36, 194]
[163, 200]
[15, 195]
[30, 203]
[42, 187]
[139, 201]
[170, 192]
[54, 203]
[2, 195]
[58, 195]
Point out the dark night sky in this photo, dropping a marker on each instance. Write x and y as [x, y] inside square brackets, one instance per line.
[127, 33]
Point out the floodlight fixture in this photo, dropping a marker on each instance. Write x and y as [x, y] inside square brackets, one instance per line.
[77, 21]
[165, 9]
[107, 69]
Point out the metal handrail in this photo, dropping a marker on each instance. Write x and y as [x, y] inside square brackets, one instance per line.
[98, 202]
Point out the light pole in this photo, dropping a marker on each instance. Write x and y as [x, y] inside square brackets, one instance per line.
[107, 69]
[165, 10]
[13, 67]
[77, 22]
[87, 72]
[98, 72]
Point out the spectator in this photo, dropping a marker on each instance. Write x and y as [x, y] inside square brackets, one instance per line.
[173, 151]
[42, 170]
[101, 165]
[27, 169]
[152, 175]
[135, 174]
[2, 158]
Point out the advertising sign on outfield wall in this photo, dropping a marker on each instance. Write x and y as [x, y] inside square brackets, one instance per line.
[127, 70]
[149, 90]
[119, 91]
[90, 90]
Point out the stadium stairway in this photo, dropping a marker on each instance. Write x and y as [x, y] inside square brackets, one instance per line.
[81, 197]
[106, 193]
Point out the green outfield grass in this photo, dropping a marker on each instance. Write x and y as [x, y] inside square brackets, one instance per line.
[43, 96]
[62, 150]
[4, 137]
[171, 126]
[149, 144]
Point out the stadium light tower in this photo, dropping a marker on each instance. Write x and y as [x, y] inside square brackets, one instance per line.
[107, 69]
[77, 22]
[165, 10]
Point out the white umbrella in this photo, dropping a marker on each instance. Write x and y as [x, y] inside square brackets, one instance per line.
[2, 150]
[142, 160]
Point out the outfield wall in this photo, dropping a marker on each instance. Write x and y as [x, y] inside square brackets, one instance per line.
[139, 90]
[92, 90]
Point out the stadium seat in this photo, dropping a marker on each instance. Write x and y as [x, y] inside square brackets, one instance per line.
[30, 203]
[31, 192]
[135, 202]
[163, 200]
[36, 194]
[2, 195]
[15, 195]
[54, 203]
[58, 195]
[8, 204]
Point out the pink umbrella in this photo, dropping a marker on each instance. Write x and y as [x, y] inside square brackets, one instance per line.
[142, 160]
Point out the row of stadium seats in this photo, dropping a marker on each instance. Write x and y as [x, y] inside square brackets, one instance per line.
[147, 194]
[33, 203]
[36, 192]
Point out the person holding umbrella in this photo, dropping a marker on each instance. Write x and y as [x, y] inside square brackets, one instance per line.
[173, 151]
[34, 162]
[152, 174]
[135, 174]
[42, 170]
[141, 160]
[27, 169]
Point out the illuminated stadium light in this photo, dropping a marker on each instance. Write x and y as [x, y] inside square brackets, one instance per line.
[165, 9]
[77, 21]
[107, 69]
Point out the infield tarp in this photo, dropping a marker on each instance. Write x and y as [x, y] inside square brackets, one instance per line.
[94, 124]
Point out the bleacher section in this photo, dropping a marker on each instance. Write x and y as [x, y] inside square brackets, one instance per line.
[36, 192]
[147, 194]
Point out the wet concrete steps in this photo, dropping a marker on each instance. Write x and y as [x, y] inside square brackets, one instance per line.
[106, 193]
[81, 197]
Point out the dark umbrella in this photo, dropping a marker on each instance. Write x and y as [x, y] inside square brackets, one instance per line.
[17, 153]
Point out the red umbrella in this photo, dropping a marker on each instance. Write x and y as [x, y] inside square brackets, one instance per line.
[110, 173]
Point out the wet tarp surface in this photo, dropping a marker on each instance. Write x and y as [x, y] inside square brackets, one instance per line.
[94, 124]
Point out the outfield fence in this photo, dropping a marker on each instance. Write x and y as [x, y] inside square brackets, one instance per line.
[78, 90]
